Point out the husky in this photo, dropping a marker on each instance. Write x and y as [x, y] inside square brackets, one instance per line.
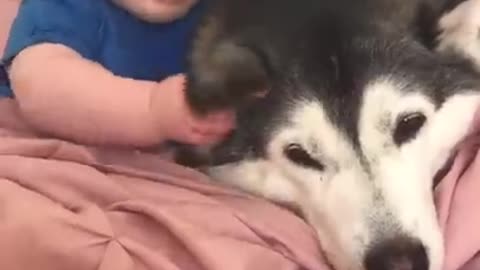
[366, 103]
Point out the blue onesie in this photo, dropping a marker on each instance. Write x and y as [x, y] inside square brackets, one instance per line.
[102, 32]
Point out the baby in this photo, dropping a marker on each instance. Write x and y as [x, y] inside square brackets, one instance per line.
[108, 71]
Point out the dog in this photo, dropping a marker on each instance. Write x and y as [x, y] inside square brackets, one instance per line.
[366, 103]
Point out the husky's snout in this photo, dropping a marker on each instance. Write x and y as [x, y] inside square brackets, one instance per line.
[399, 253]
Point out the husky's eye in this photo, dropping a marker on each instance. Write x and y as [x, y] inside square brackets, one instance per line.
[296, 154]
[408, 127]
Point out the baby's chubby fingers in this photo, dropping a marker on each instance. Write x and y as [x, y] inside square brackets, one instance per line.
[215, 124]
[213, 128]
[197, 138]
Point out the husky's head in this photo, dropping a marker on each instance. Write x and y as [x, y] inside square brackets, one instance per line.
[353, 137]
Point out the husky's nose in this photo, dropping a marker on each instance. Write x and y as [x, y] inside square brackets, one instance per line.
[401, 253]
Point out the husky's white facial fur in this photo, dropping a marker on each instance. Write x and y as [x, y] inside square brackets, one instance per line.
[361, 197]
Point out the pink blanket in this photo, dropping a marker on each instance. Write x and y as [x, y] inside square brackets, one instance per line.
[67, 206]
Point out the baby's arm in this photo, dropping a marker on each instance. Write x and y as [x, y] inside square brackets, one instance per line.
[62, 93]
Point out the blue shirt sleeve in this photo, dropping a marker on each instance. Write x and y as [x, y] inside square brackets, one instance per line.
[73, 23]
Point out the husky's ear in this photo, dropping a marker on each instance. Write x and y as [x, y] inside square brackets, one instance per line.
[225, 74]
[460, 31]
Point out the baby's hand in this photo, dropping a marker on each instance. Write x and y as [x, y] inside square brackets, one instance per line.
[177, 122]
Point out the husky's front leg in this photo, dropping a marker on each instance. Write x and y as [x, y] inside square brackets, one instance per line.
[225, 71]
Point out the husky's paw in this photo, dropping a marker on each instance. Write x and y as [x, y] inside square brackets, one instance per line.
[228, 75]
[460, 31]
